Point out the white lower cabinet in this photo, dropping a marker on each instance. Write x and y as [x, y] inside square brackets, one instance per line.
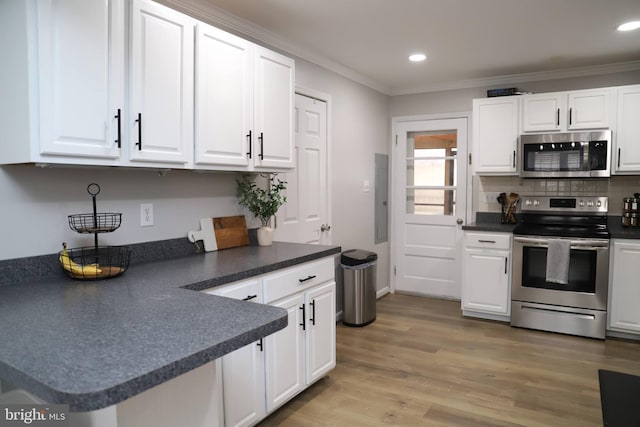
[624, 286]
[262, 376]
[243, 370]
[486, 276]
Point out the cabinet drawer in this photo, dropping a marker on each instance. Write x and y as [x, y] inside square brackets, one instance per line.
[248, 290]
[295, 279]
[487, 240]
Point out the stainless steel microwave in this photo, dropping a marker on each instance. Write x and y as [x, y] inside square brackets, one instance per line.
[565, 155]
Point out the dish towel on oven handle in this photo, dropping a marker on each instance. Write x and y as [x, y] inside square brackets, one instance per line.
[558, 254]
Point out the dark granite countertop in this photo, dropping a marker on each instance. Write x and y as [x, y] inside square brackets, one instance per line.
[488, 221]
[92, 344]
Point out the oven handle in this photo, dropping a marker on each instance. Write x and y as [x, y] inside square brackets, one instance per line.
[575, 244]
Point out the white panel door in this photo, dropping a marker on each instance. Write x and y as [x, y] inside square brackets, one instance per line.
[81, 76]
[486, 281]
[624, 289]
[590, 109]
[429, 180]
[224, 98]
[274, 103]
[321, 331]
[285, 355]
[162, 62]
[301, 218]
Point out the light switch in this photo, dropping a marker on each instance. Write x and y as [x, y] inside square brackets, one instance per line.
[365, 186]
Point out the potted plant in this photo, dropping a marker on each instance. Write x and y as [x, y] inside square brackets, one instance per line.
[262, 203]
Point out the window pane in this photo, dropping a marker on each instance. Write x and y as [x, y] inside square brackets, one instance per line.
[431, 172]
[431, 202]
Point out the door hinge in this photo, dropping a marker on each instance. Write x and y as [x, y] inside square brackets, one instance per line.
[469, 159]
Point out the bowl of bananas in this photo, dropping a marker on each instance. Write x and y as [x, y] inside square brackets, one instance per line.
[94, 263]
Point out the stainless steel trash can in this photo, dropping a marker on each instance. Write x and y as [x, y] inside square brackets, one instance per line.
[359, 274]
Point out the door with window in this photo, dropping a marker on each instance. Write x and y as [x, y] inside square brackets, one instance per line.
[430, 199]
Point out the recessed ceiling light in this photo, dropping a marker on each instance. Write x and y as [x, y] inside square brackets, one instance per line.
[417, 57]
[628, 26]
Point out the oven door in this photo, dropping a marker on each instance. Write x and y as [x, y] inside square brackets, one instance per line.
[588, 273]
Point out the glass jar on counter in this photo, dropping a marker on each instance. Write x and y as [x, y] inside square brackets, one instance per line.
[634, 220]
[626, 219]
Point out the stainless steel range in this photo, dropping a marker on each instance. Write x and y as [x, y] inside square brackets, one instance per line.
[561, 265]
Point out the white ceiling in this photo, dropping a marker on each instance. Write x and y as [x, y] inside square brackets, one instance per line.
[468, 42]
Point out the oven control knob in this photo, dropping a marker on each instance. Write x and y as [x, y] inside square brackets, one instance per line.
[590, 203]
[536, 203]
[527, 202]
[582, 203]
[598, 203]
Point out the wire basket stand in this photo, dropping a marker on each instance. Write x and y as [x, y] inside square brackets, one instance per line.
[95, 262]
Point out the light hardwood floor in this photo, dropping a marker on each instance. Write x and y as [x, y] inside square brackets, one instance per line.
[422, 364]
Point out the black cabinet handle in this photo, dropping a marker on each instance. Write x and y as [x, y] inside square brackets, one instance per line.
[261, 138]
[313, 312]
[249, 136]
[570, 114]
[558, 117]
[618, 157]
[306, 279]
[139, 121]
[260, 345]
[505, 265]
[249, 297]
[119, 140]
[514, 158]
[486, 241]
[304, 322]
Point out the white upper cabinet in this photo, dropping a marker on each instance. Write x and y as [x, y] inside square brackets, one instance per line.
[63, 81]
[274, 97]
[495, 135]
[224, 99]
[626, 148]
[162, 57]
[81, 77]
[567, 111]
[111, 82]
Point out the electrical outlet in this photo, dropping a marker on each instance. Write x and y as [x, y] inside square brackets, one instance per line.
[146, 214]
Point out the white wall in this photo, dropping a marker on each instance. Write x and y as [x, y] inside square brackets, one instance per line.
[35, 202]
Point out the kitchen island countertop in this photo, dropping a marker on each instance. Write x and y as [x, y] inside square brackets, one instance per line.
[92, 344]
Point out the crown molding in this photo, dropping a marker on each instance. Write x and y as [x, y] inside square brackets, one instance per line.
[218, 17]
[508, 79]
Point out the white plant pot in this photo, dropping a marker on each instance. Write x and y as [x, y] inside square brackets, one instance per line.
[265, 236]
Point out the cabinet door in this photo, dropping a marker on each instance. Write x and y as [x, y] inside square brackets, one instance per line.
[285, 355]
[495, 136]
[544, 112]
[243, 370]
[624, 287]
[81, 76]
[321, 331]
[161, 116]
[627, 149]
[486, 281]
[589, 109]
[224, 98]
[274, 96]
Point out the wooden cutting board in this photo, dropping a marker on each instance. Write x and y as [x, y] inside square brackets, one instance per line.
[230, 231]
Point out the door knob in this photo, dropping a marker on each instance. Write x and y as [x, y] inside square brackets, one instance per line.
[459, 221]
[325, 227]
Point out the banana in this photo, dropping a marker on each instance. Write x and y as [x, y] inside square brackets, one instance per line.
[75, 268]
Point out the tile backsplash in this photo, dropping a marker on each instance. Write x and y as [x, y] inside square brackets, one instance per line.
[616, 188]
